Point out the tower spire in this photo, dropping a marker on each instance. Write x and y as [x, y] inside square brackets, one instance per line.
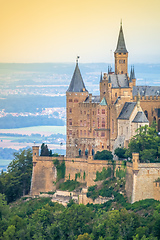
[121, 54]
[121, 47]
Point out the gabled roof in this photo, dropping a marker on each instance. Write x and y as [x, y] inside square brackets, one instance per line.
[103, 102]
[146, 91]
[77, 84]
[118, 80]
[95, 99]
[127, 110]
[121, 47]
[140, 118]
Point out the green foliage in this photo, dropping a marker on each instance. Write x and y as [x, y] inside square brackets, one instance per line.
[146, 143]
[107, 189]
[84, 236]
[120, 152]
[42, 219]
[77, 175]
[121, 172]
[105, 173]
[103, 155]
[69, 185]
[61, 168]
[44, 150]
[84, 176]
[16, 182]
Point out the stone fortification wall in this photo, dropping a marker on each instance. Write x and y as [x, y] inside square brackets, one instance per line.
[141, 180]
[144, 181]
[129, 181]
[140, 177]
[44, 172]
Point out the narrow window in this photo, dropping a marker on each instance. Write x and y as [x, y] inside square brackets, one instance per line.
[103, 123]
[70, 122]
[98, 122]
[102, 134]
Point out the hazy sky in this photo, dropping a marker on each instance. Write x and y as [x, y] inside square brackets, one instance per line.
[59, 30]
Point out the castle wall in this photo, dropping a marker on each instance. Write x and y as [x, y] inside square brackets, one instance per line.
[129, 181]
[145, 177]
[44, 172]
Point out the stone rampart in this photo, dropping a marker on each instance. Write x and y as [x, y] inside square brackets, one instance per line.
[140, 177]
[44, 172]
[141, 180]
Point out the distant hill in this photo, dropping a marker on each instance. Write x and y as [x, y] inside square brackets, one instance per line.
[9, 121]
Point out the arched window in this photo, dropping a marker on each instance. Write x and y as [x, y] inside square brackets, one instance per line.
[76, 100]
[146, 113]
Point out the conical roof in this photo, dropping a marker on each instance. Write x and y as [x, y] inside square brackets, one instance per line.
[131, 74]
[121, 47]
[77, 84]
[101, 77]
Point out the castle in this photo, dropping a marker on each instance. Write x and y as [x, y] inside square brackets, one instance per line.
[96, 123]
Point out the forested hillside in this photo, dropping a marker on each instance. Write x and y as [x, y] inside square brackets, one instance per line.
[41, 219]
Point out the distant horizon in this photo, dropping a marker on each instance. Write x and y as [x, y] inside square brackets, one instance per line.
[155, 63]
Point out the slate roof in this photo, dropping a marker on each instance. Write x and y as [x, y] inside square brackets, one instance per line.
[103, 102]
[121, 47]
[118, 80]
[140, 118]
[127, 110]
[95, 99]
[146, 90]
[76, 84]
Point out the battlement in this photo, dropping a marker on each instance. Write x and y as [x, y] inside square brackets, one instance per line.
[147, 98]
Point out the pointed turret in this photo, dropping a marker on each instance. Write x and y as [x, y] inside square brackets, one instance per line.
[121, 55]
[77, 84]
[131, 74]
[121, 47]
[132, 79]
[101, 77]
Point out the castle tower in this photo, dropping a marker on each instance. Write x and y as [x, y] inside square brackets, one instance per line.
[121, 55]
[75, 94]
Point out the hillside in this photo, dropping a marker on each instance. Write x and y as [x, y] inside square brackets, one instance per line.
[41, 219]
